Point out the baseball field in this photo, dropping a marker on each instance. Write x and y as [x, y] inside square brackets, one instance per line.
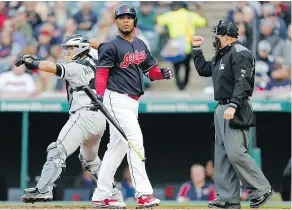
[164, 206]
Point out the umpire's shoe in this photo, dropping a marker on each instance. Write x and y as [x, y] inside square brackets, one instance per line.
[223, 205]
[258, 202]
[32, 195]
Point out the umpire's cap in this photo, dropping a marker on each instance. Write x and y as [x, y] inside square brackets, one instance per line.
[225, 27]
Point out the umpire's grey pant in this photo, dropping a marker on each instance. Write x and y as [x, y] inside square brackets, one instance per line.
[233, 163]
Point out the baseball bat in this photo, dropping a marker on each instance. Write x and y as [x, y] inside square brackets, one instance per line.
[110, 118]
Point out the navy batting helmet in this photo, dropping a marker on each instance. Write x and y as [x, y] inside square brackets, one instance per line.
[126, 9]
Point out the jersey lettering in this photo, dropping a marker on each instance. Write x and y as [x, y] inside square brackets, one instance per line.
[135, 58]
[88, 71]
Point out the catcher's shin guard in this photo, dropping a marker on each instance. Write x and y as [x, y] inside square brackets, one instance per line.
[53, 167]
[92, 166]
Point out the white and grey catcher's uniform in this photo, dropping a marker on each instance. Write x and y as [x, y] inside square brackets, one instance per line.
[84, 127]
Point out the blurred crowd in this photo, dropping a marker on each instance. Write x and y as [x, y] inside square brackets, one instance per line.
[265, 29]
[38, 28]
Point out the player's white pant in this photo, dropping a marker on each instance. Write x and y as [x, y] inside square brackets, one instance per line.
[85, 129]
[125, 110]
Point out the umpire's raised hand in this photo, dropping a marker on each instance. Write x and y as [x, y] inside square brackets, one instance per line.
[197, 41]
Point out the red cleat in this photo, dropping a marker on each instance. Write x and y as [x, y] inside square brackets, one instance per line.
[147, 201]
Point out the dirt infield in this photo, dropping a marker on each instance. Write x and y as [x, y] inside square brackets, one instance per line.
[70, 207]
[88, 206]
[66, 208]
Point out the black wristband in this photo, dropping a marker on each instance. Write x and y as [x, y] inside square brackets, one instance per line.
[36, 64]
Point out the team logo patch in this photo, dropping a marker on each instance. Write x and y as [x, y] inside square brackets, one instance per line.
[222, 66]
[135, 58]
[126, 9]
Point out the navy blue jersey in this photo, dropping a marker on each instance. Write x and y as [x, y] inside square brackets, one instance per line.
[127, 62]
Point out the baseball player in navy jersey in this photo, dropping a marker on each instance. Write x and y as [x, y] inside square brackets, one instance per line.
[86, 124]
[119, 83]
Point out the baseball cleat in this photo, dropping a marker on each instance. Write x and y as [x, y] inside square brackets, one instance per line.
[117, 194]
[216, 204]
[108, 203]
[147, 201]
[32, 195]
[258, 202]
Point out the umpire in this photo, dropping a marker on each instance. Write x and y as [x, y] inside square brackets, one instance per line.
[232, 70]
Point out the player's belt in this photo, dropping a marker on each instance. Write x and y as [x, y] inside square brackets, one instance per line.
[77, 89]
[95, 109]
[129, 95]
[224, 101]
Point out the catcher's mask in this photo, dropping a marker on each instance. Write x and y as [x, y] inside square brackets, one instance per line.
[223, 27]
[75, 47]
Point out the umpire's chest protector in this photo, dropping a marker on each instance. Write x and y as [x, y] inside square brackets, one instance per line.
[222, 69]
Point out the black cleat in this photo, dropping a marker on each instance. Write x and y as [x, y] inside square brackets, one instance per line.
[258, 202]
[223, 205]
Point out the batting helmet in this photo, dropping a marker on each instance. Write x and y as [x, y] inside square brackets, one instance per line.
[126, 9]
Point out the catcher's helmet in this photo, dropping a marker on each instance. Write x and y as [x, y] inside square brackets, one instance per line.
[75, 47]
[225, 27]
[126, 9]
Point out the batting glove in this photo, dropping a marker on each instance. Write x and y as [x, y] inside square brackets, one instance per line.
[100, 98]
[166, 73]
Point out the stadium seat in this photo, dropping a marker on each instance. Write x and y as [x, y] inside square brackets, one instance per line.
[77, 194]
[14, 194]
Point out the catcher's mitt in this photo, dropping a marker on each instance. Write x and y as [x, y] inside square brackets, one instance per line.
[27, 60]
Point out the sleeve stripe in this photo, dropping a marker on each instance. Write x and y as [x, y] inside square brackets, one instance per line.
[184, 190]
[146, 70]
[63, 71]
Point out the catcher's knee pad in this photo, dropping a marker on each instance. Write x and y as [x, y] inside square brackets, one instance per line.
[53, 167]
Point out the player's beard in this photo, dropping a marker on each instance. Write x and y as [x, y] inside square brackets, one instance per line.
[126, 33]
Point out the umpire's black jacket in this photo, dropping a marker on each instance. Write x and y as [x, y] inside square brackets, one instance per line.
[232, 70]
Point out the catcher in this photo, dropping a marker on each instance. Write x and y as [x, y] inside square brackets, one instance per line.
[86, 124]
